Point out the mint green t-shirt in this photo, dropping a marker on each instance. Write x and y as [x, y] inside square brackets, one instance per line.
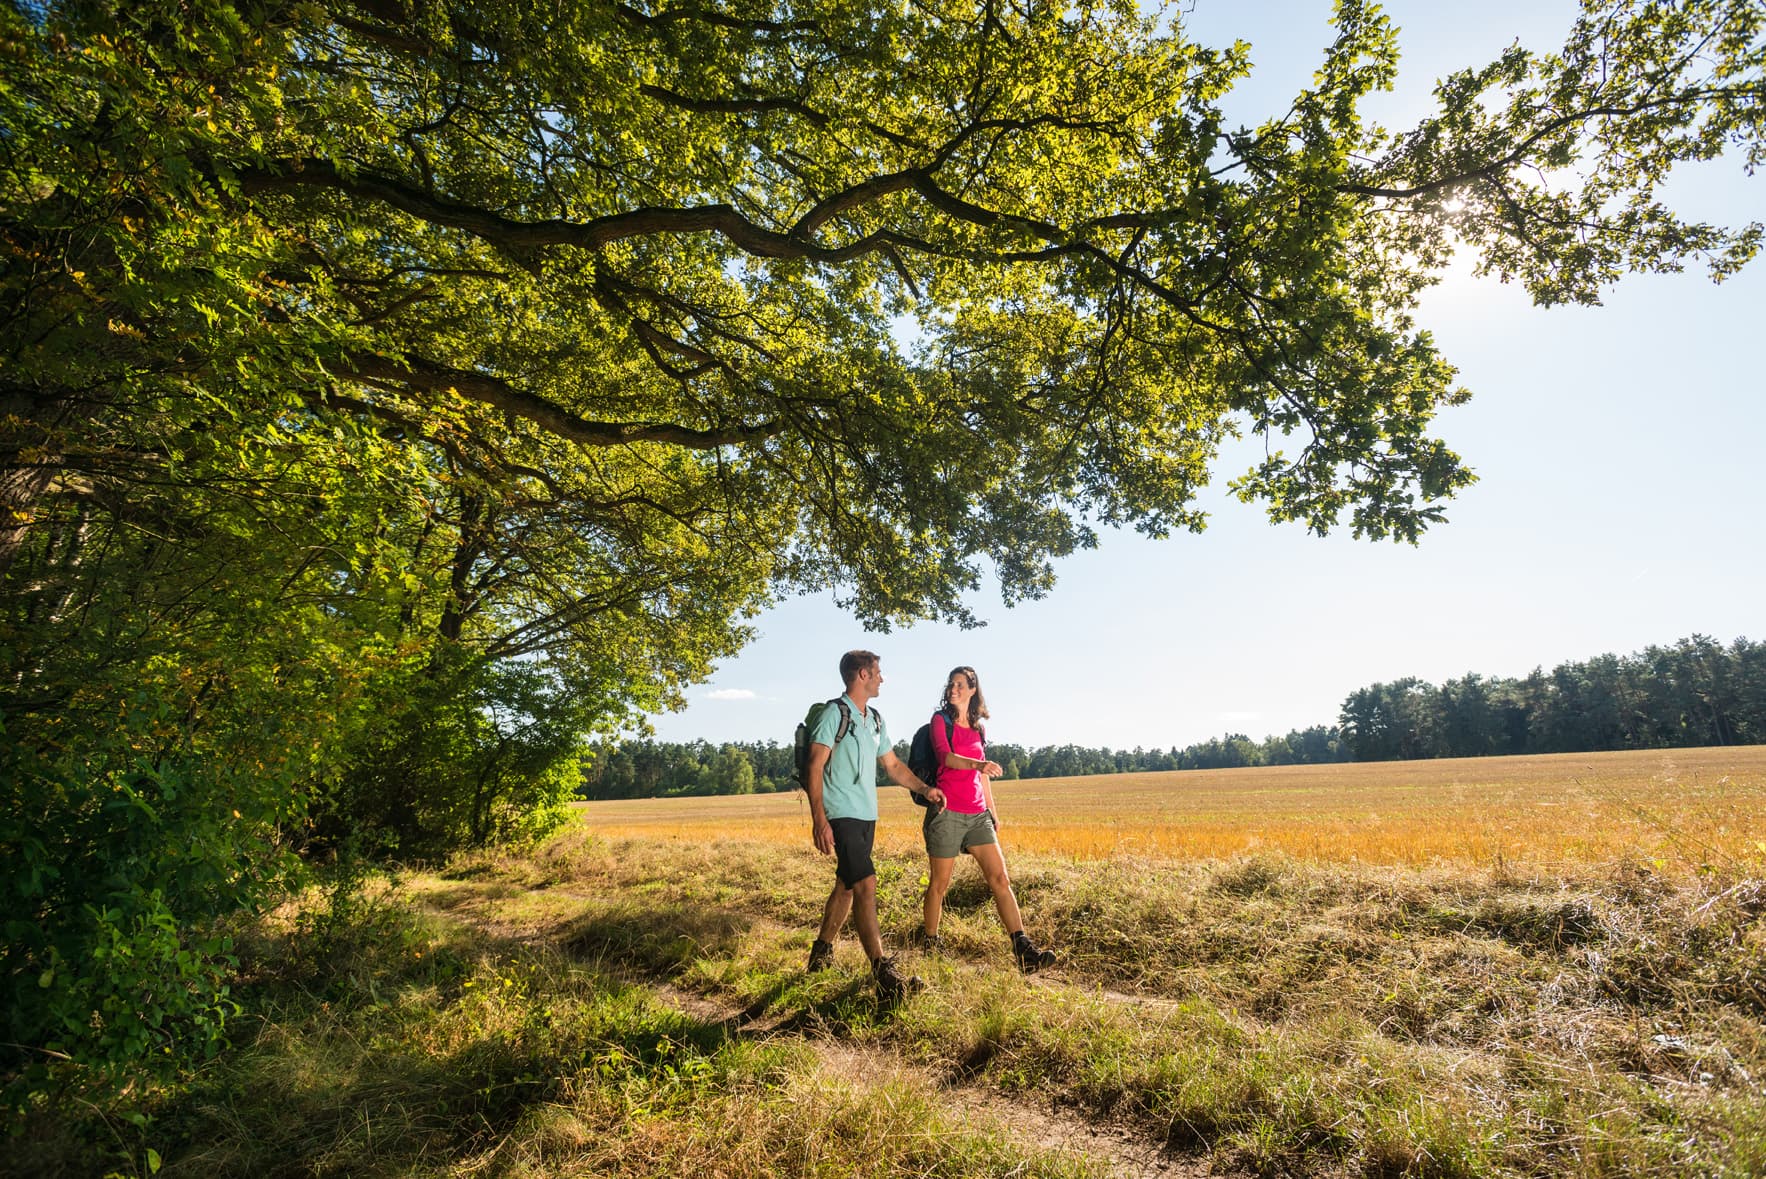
[849, 783]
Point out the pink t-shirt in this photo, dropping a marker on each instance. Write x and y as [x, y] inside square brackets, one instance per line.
[962, 788]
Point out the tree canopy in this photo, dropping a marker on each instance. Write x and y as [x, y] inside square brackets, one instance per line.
[393, 392]
[684, 278]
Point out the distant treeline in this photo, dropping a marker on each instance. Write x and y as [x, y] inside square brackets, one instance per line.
[1696, 692]
[653, 769]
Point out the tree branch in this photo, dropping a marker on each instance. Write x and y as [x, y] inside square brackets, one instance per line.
[1519, 151]
[733, 106]
[507, 232]
[415, 373]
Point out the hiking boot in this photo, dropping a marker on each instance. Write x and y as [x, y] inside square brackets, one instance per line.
[1029, 958]
[821, 956]
[891, 986]
[930, 943]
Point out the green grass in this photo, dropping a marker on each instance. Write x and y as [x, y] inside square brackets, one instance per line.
[509, 1016]
[398, 1044]
[1383, 1021]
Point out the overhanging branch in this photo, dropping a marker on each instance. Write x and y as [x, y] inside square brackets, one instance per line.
[415, 373]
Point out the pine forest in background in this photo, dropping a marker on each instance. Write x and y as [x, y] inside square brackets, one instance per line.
[1695, 692]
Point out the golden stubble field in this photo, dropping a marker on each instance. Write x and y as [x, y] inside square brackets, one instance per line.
[1678, 809]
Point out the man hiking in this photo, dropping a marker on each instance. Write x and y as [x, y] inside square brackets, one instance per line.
[842, 786]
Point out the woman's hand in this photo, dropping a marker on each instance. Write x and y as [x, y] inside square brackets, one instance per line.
[992, 769]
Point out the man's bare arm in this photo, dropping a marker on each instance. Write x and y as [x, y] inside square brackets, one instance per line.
[902, 776]
[819, 829]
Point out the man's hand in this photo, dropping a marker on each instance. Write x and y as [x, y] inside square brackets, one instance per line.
[934, 795]
[823, 832]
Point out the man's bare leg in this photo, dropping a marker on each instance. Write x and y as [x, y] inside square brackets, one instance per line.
[862, 899]
[835, 911]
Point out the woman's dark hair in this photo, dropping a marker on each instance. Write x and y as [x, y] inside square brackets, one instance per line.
[977, 702]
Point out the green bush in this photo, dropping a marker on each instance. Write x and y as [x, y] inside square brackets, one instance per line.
[463, 751]
[122, 860]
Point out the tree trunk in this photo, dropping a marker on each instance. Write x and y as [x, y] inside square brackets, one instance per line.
[20, 489]
[23, 477]
[473, 519]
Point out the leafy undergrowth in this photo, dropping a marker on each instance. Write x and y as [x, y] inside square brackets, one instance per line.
[1281, 1015]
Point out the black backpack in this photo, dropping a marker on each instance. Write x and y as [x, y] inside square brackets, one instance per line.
[807, 727]
[923, 758]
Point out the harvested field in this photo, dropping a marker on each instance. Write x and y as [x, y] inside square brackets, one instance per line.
[1674, 810]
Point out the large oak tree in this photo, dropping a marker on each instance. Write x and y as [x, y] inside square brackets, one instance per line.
[886, 290]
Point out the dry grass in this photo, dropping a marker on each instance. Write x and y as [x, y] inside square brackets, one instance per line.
[393, 1043]
[1683, 807]
[1282, 1016]
[1561, 972]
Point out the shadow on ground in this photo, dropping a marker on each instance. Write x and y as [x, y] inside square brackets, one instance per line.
[652, 938]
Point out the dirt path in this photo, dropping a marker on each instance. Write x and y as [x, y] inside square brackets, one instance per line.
[1120, 1151]
[1124, 1154]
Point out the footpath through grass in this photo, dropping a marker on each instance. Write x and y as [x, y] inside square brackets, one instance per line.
[1278, 1015]
[381, 1041]
[501, 1016]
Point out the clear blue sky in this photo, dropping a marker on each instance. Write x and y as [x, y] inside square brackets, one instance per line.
[1621, 502]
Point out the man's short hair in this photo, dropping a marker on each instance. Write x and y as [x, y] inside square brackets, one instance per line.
[855, 662]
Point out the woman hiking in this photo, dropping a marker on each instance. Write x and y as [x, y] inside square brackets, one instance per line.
[966, 822]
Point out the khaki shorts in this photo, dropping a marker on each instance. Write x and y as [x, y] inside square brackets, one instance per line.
[949, 833]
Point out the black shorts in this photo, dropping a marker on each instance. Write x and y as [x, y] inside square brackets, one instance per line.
[852, 849]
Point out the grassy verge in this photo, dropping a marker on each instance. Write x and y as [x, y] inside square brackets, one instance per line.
[1449, 1021]
[500, 1017]
[388, 1043]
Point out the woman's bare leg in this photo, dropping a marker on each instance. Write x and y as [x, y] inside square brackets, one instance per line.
[937, 884]
[993, 870]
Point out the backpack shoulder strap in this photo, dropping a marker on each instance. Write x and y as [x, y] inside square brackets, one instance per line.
[845, 720]
[876, 722]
